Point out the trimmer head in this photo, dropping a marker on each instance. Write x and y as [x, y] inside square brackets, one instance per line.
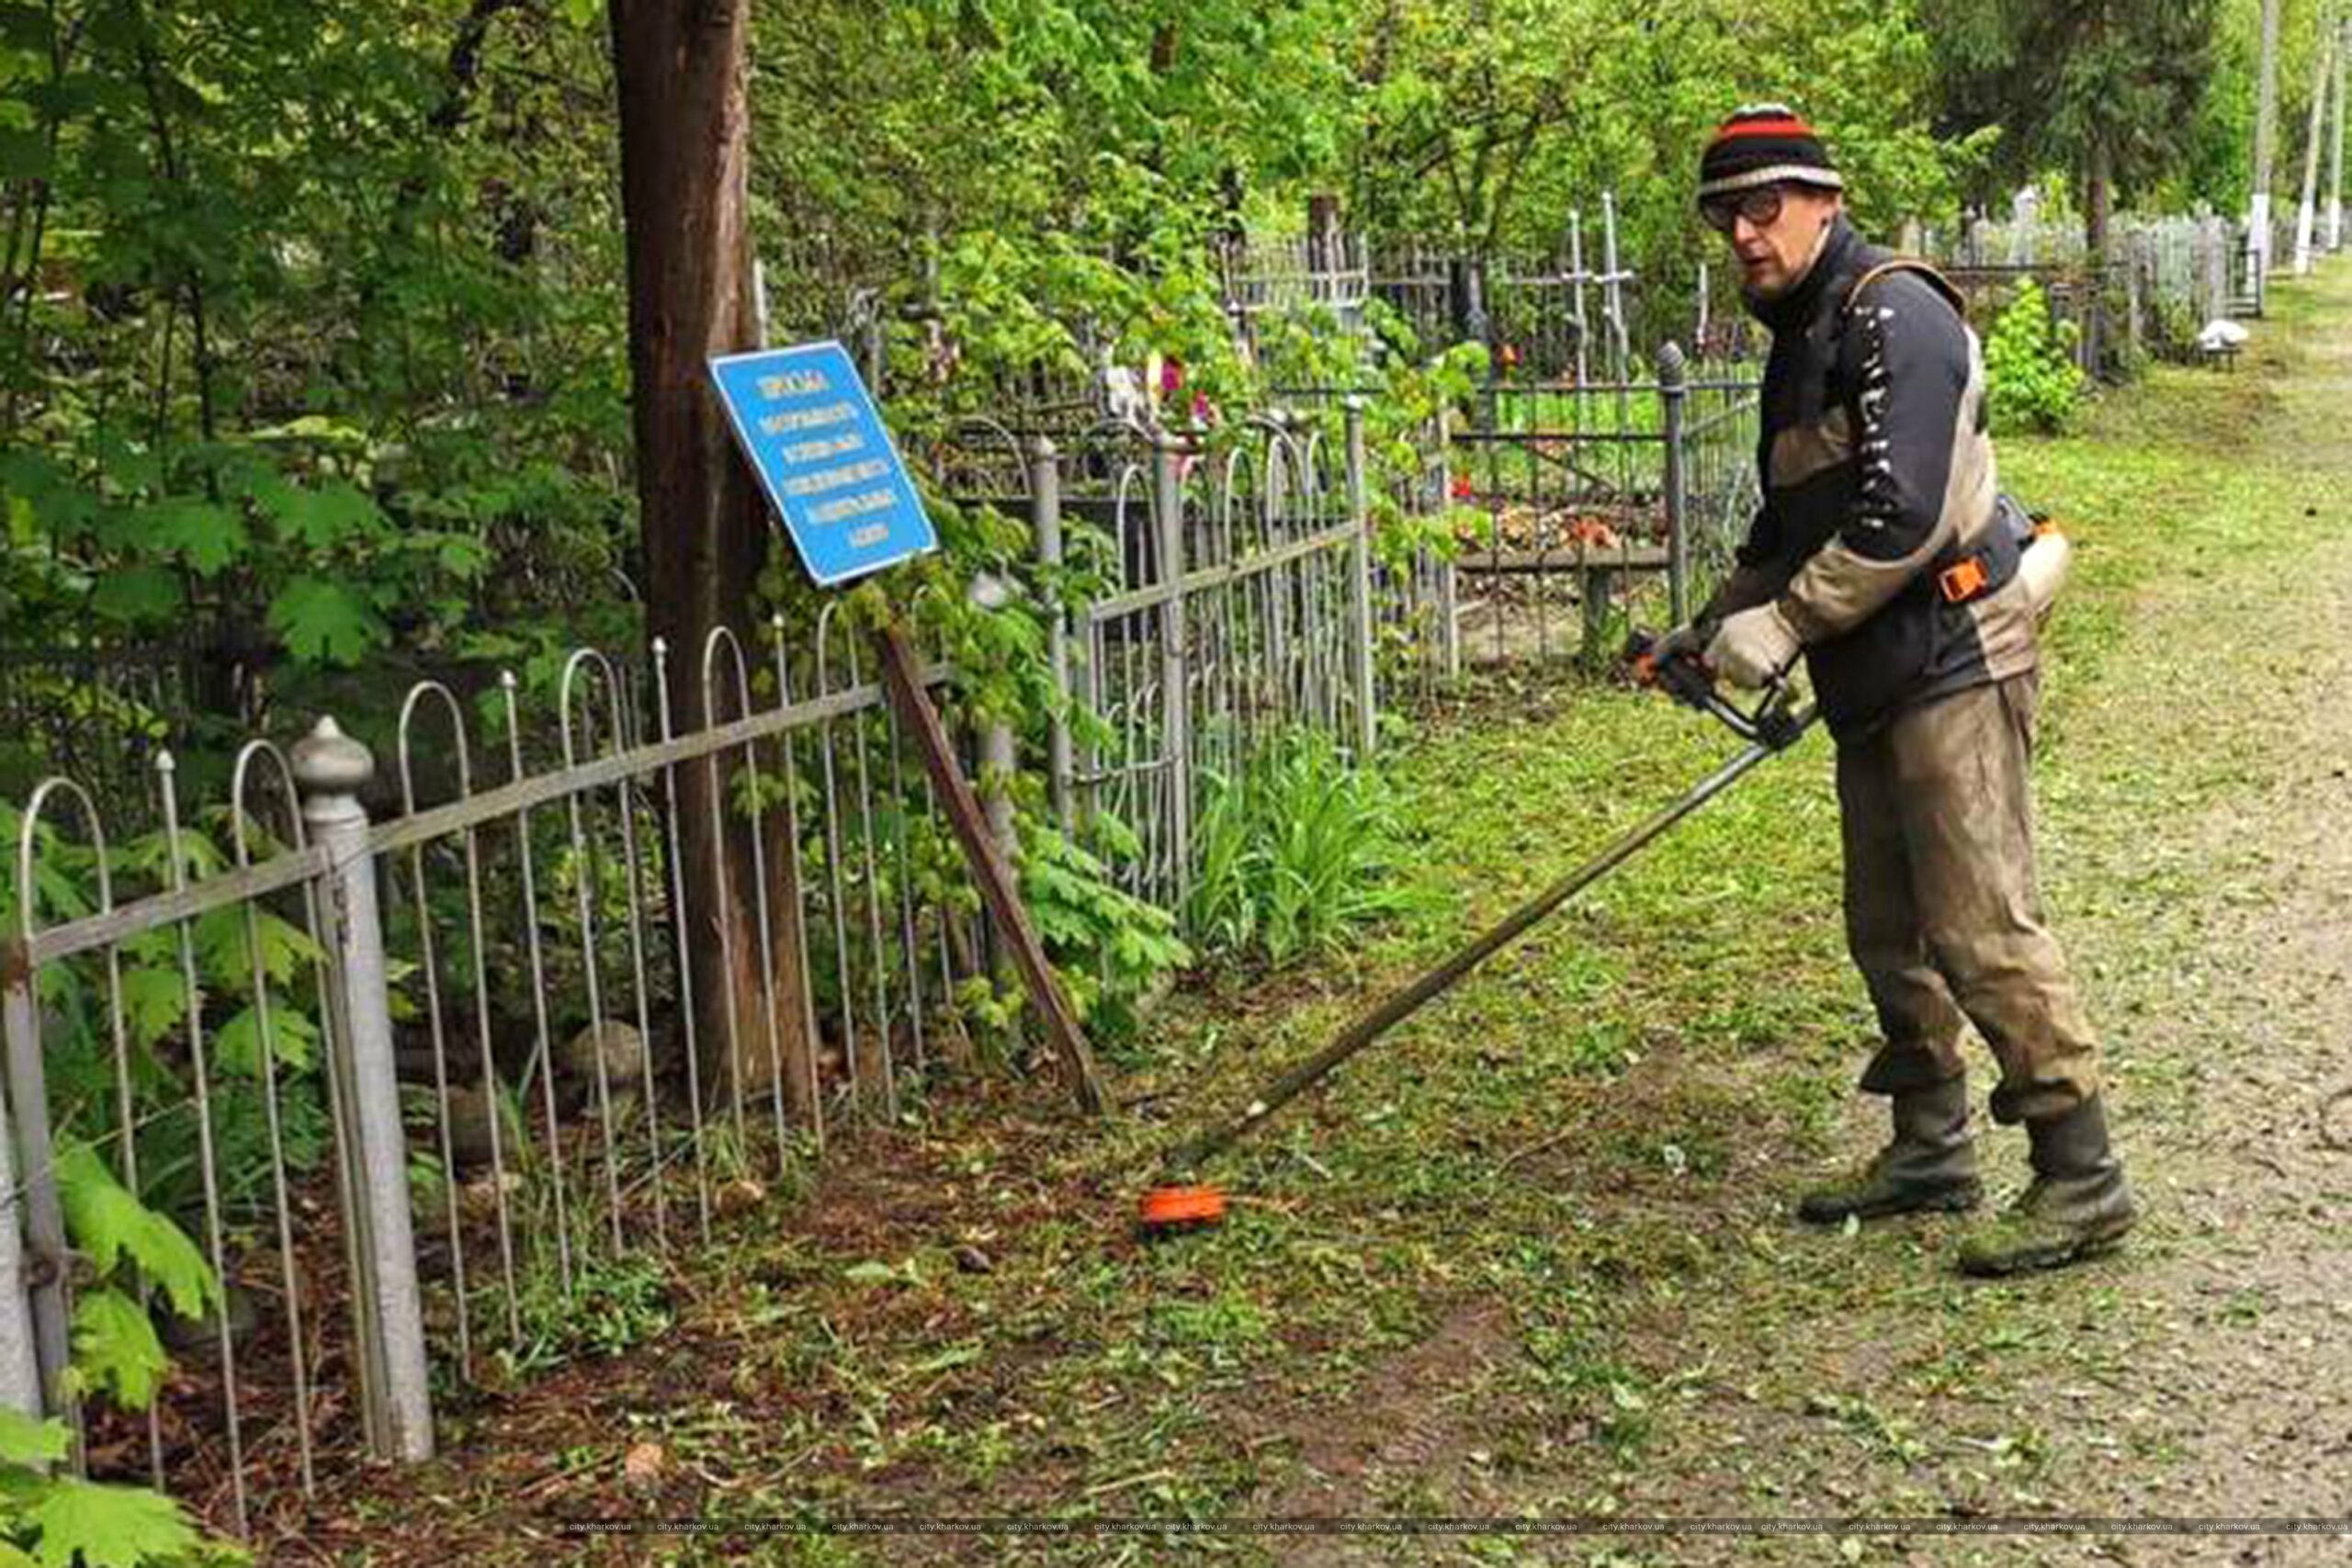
[1775, 722]
[1166, 1209]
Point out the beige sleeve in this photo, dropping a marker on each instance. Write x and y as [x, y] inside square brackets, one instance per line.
[1747, 587]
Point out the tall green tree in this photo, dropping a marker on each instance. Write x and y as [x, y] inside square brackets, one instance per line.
[2106, 91]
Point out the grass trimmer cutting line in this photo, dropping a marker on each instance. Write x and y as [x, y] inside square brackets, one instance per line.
[1774, 723]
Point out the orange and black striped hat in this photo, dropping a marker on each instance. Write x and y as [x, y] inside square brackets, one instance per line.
[1764, 144]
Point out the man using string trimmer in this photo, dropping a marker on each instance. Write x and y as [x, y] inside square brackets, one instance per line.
[1886, 554]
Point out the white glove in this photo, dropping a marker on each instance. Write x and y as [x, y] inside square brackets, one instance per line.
[1752, 647]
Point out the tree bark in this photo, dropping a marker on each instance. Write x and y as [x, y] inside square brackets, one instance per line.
[684, 119]
[2265, 115]
[2307, 209]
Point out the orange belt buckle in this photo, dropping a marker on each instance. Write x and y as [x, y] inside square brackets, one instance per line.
[1962, 583]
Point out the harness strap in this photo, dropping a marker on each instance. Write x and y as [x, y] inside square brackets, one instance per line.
[1989, 566]
[1941, 284]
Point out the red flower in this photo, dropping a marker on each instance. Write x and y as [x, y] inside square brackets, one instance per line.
[1462, 491]
[1171, 375]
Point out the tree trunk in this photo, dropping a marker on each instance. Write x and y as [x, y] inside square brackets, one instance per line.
[2307, 209]
[684, 146]
[2265, 115]
[1322, 233]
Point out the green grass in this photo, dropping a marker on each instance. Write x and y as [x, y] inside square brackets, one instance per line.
[1585, 1154]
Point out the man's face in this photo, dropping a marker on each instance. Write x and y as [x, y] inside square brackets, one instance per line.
[1775, 232]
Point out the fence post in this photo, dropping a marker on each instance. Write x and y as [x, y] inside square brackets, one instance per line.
[1000, 757]
[874, 342]
[1360, 573]
[1449, 616]
[1045, 524]
[1673, 394]
[2092, 346]
[2214, 239]
[23, 1385]
[332, 769]
[1175, 676]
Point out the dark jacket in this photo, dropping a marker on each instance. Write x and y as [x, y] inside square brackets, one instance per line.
[1878, 480]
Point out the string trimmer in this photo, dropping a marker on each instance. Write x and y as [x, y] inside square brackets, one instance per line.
[1774, 723]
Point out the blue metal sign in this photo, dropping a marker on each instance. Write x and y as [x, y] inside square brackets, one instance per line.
[809, 428]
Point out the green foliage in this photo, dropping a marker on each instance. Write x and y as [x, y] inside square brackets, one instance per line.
[2034, 383]
[249, 967]
[60, 1521]
[314, 376]
[1111, 948]
[1293, 854]
[279, 368]
[611, 1304]
[26, 1442]
[2108, 93]
[110, 1227]
[2215, 164]
[116, 1351]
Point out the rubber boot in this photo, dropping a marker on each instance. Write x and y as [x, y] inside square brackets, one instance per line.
[1930, 1164]
[2076, 1205]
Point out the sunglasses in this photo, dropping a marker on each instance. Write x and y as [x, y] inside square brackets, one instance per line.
[1760, 206]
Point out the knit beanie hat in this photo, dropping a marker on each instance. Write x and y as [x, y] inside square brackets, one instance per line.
[1763, 144]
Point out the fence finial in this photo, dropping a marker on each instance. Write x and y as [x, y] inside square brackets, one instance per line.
[328, 761]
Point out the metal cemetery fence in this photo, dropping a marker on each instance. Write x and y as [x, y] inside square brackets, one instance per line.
[417, 1086]
[91, 712]
[409, 1042]
[1231, 605]
[1588, 490]
[1557, 317]
[2165, 278]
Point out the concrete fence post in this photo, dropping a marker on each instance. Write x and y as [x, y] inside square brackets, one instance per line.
[332, 768]
[23, 1272]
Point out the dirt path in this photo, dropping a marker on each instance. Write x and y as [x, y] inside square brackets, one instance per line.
[2200, 855]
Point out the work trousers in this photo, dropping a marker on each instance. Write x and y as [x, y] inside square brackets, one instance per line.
[1943, 909]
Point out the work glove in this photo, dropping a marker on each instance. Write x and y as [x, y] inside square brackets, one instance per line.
[1752, 647]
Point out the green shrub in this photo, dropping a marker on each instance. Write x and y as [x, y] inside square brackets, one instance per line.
[47, 1515]
[1293, 854]
[2035, 384]
[1111, 948]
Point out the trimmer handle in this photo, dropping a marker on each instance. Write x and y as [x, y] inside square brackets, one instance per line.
[1774, 722]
